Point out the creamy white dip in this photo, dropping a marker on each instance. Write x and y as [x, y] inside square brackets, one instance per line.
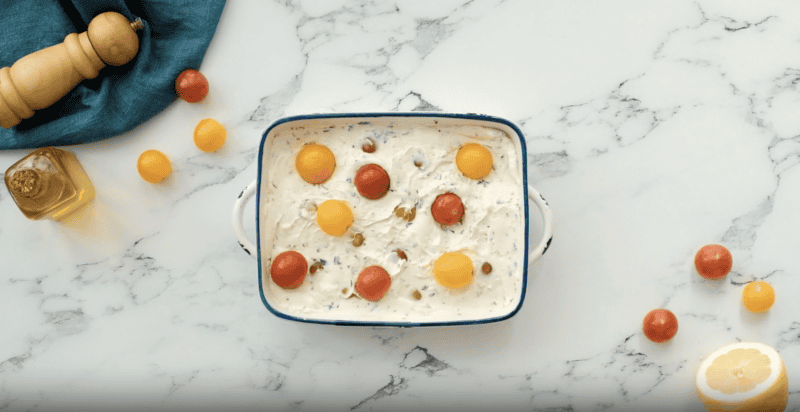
[492, 229]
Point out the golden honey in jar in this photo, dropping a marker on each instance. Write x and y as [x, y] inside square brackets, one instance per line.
[49, 183]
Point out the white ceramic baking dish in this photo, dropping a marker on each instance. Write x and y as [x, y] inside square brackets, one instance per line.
[380, 125]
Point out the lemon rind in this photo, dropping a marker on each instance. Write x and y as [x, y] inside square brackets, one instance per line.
[762, 390]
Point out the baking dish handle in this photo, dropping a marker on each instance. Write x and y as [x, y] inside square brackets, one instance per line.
[238, 218]
[547, 218]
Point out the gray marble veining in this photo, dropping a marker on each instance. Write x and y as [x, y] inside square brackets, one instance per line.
[652, 129]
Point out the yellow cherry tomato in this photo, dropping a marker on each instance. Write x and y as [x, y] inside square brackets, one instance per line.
[474, 161]
[315, 163]
[758, 296]
[153, 166]
[334, 217]
[453, 270]
[209, 135]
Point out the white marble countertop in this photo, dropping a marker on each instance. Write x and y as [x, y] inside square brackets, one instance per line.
[652, 128]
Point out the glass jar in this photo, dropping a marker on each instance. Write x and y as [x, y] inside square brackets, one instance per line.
[49, 183]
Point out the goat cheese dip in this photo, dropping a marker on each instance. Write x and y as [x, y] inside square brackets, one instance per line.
[419, 157]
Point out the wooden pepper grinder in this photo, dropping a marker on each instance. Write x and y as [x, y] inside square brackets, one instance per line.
[43, 77]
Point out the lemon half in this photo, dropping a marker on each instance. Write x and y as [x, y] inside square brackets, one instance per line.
[744, 376]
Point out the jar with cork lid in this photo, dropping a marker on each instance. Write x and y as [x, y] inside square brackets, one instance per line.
[49, 183]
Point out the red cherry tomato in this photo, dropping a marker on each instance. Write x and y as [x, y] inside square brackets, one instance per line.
[713, 261]
[372, 181]
[660, 325]
[447, 209]
[191, 86]
[373, 282]
[289, 269]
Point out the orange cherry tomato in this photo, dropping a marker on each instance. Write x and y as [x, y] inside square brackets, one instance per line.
[713, 261]
[447, 209]
[209, 135]
[191, 86]
[153, 166]
[660, 325]
[373, 282]
[289, 269]
[372, 181]
[758, 296]
[315, 163]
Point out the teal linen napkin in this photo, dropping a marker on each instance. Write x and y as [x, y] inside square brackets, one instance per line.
[175, 37]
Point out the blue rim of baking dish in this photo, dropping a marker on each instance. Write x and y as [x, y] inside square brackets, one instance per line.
[466, 116]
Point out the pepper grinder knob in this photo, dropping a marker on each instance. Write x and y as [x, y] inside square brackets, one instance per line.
[41, 78]
[114, 38]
